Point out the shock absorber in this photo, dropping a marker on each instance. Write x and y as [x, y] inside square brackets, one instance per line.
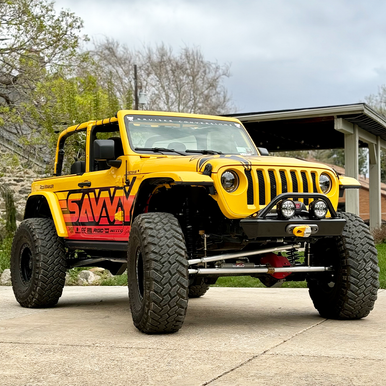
[189, 228]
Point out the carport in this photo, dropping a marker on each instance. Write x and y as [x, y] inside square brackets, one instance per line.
[345, 127]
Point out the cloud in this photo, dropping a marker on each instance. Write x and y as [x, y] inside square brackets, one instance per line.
[283, 54]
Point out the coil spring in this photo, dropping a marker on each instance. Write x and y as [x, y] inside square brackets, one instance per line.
[293, 257]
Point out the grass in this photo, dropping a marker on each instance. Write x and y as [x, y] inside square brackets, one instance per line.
[382, 264]
[233, 281]
[251, 282]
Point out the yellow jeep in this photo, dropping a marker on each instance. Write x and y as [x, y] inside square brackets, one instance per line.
[179, 200]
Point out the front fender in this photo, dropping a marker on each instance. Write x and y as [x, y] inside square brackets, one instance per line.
[348, 183]
[39, 200]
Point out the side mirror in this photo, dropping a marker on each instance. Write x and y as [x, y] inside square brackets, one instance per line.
[104, 149]
[263, 151]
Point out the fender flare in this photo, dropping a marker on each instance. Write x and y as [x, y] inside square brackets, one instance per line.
[347, 183]
[54, 207]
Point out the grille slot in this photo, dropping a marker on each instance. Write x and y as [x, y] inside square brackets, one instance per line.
[260, 178]
[283, 177]
[272, 180]
[295, 186]
[313, 175]
[250, 198]
[305, 186]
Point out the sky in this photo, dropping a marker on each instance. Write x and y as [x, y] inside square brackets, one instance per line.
[283, 54]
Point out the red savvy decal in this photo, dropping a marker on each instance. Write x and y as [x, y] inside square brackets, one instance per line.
[98, 214]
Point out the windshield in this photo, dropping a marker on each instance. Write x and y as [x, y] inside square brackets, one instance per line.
[186, 136]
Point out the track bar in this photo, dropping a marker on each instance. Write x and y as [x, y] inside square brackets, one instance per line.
[242, 254]
[82, 262]
[258, 269]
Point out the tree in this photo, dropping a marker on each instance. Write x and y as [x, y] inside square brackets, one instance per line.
[378, 103]
[337, 157]
[184, 82]
[34, 40]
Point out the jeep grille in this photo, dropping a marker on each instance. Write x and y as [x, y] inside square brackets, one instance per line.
[277, 182]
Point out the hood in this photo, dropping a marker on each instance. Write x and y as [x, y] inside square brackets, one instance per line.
[197, 163]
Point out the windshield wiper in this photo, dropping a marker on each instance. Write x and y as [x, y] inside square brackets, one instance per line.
[204, 151]
[160, 150]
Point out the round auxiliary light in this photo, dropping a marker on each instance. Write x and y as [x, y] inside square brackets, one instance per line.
[286, 209]
[325, 183]
[230, 181]
[318, 209]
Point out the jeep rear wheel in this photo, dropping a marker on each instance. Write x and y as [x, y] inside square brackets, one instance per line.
[351, 290]
[38, 263]
[157, 273]
[198, 288]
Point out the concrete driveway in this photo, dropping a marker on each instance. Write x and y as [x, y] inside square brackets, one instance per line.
[231, 336]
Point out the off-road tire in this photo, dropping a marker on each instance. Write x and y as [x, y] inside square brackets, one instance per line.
[157, 273]
[38, 264]
[351, 291]
[198, 288]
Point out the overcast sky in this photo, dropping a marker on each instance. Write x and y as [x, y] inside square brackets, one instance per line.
[283, 53]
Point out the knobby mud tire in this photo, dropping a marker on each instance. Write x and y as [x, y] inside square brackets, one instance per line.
[198, 288]
[350, 293]
[38, 264]
[157, 273]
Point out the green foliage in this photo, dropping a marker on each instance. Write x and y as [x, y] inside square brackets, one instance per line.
[5, 253]
[382, 264]
[10, 211]
[35, 40]
[251, 282]
[337, 157]
[115, 280]
[66, 101]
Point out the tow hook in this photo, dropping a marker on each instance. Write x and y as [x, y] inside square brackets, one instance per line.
[300, 230]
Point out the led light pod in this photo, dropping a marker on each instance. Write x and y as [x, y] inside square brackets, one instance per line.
[318, 209]
[286, 209]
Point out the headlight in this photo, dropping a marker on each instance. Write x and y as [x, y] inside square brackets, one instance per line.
[286, 209]
[230, 181]
[325, 183]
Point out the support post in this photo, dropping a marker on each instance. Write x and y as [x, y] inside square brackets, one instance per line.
[375, 185]
[351, 153]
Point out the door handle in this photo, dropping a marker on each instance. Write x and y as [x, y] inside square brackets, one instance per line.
[83, 184]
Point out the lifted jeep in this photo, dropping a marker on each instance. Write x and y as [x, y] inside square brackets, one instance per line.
[179, 200]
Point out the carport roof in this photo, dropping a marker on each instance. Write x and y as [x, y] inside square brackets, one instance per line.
[309, 128]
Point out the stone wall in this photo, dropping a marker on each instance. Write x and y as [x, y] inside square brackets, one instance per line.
[19, 180]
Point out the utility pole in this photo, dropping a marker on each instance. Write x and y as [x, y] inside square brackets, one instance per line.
[135, 88]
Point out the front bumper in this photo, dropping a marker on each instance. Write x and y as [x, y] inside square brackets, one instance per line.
[267, 228]
[266, 225]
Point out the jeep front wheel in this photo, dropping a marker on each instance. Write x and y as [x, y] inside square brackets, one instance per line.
[157, 273]
[350, 291]
[38, 263]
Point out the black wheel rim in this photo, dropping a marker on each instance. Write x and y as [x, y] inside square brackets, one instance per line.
[139, 274]
[26, 264]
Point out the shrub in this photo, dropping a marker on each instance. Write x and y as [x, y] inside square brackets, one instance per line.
[379, 234]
